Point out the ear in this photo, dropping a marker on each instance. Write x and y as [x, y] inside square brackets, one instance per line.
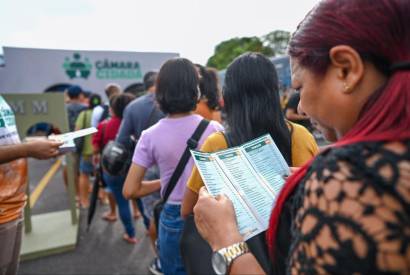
[349, 66]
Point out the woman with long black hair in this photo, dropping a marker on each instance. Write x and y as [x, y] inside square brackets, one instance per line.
[252, 107]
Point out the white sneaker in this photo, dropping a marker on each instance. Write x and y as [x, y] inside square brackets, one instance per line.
[155, 267]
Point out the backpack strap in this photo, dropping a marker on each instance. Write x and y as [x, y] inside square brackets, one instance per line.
[84, 119]
[192, 143]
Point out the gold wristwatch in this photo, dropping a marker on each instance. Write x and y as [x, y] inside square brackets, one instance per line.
[223, 258]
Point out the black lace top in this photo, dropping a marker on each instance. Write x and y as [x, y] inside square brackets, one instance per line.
[351, 213]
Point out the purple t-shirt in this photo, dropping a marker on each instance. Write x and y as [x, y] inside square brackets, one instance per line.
[164, 143]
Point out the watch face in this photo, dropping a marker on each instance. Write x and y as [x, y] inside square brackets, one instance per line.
[218, 263]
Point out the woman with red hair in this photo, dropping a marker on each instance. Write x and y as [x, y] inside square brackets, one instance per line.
[348, 210]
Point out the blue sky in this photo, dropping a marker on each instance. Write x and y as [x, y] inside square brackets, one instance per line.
[190, 27]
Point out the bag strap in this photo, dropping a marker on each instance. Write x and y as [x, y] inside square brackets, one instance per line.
[192, 143]
[99, 168]
[83, 121]
[228, 139]
[290, 126]
[149, 122]
[104, 125]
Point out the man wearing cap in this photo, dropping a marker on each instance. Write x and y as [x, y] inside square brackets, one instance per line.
[74, 106]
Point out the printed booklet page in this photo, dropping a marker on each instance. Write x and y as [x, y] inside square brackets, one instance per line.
[250, 175]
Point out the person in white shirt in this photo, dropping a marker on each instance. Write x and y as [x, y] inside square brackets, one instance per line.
[98, 112]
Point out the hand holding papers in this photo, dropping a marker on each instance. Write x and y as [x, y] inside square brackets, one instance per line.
[251, 175]
[68, 138]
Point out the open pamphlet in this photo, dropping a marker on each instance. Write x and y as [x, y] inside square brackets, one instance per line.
[68, 138]
[250, 175]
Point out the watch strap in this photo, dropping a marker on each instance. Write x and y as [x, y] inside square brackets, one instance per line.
[232, 252]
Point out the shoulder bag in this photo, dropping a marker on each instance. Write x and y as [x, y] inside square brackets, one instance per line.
[192, 143]
[116, 157]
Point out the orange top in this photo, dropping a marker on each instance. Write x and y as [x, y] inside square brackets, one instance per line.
[13, 175]
[13, 184]
[203, 110]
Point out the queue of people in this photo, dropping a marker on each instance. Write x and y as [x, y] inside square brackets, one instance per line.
[343, 210]
[250, 81]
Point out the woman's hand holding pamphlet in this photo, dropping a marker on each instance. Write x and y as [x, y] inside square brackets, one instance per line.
[250, 175]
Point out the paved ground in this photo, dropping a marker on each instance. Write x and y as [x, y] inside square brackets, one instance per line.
[99, 251]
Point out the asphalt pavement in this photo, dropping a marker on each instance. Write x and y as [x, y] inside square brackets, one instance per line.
[99, 251]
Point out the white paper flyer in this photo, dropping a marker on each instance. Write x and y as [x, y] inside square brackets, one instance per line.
[251, 175]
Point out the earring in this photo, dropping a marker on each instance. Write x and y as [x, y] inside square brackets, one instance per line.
[346, 87]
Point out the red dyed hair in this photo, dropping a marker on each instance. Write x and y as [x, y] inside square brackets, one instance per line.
[380, 32]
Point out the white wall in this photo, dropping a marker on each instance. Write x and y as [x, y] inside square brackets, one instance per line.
[34, 70]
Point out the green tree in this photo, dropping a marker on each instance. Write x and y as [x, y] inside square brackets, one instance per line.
[277, 41]
[228, 50]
